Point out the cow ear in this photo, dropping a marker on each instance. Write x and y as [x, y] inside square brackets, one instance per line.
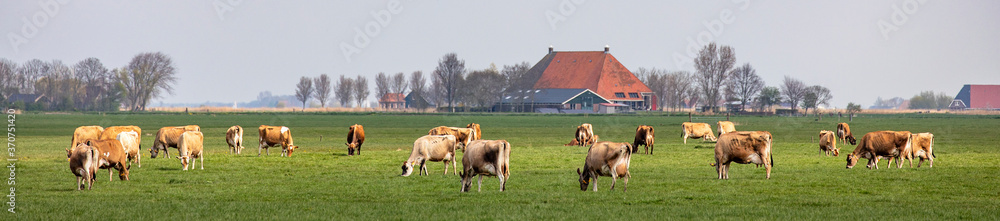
[88, 142]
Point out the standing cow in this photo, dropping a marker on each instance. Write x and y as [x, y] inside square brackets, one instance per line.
[486, 157]
[192, 146]
[828, 143]
[84, 133]
[167, 137]
[606, 159]
[111, 154]
[726, 127]
[464, 135]
[643, 136]
[234, 137]
[434, 148]
[83, 162]
[743, 147]
[273, 136]
[879, 144]
[696, 130]
[844, 134]
[922, 147]
[585, 134]
[355, 137]
[130, 141]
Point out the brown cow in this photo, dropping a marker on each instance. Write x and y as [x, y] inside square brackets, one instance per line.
[606, 159]
[83, 161]
[113, 131]
[844, 134]
[726, 127]
[643, 136]
[479, 132]
[696, 130]
[434, 148]
[167, 137]
[828, 143]
[355, 138]
[84, 133]
[276, 135]
[585, 134]
[234, 137]
[922, 147]
[191, 146]
[486, 157]
[130, 141]
[464, 135]
[111, 154]
[874, 145]
[743, 147]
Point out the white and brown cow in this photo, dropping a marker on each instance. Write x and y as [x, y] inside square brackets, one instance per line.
[922, 146]
[880, 144]
[696, 130]
[113, 131]
[643, 136]
[355, 138]
[486, 158]
[726, 127]
[130, 141]
[433, 148]
[168, 137]
[84, 133]
[192, 146]
[276, 135]
[585, 135]
[606, 159]
[844, 134]
[464, 135]
[828, 143]
[111, 154]
[743, 147]
[83, 162]
[234, 137]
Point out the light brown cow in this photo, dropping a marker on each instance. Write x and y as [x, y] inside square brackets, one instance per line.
[486, 157]
[643, 136]
[111, 154]
[878, 144]
[726, 127]
[606, 159]
[130, 141]
[844, 134]
[585, 135]
[696, 130]
[192, 146]
[84, 133]
[83, 162]
[479, 132]
[355, 138]
[464, 135]
[434, 148]
[922, 147]
[828, 143]
[234, 137]
[113, 131]
[167, 137]
[743, 147]
[276, 135]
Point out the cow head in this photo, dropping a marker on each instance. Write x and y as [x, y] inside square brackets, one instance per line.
[184, 161]
[351, 147]
[852, 159]
[584, 179]
[407, 168]
[836, 152]
[288, 152]
[123, 174]
[850, 139]
[466, 181]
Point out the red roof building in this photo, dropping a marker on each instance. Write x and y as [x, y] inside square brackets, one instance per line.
[974, 96]
[598, 71]
[392, 100]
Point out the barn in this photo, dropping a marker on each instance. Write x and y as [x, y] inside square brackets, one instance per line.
[973, 96]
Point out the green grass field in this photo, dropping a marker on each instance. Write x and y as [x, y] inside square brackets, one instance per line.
[321, 182]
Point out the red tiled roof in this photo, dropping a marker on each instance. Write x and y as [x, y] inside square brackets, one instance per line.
[595, 70]
[392, 98]
[984, 96]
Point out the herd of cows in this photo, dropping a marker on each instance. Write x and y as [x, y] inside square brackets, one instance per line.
[94, 147]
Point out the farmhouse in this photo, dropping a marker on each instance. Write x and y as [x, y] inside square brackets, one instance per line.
[392, 101]
[977, 97]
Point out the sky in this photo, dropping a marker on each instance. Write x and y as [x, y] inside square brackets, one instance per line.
[231, 50]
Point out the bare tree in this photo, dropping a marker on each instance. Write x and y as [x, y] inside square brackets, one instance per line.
[516, 82]
[744, 83]
[398, 84]
[30, 72]
[382, 85]
[678, 86]
[344, 90]
[448, 77]
[656, 80]
[713, 64]
[481, 87]
[360, 90]
[793, 91]
[417, 89]
[304, 90]
[149, 75]
[8, 78]
[96, 80]
[323, 89]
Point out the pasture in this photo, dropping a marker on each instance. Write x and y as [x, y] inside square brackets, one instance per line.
[321, 182]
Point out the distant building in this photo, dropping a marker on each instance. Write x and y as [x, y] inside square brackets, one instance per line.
[392, 101]
[26, 98]
[414, 100]
[977, 97]
[556, 100]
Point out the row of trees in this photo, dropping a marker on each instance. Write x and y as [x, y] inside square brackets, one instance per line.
[88, 85]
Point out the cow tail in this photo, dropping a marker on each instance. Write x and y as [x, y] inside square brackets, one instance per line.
[771, 158]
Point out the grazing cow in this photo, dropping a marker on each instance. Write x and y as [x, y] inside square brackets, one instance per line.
[434, 148]
[486, 157]
[479, 132]
[111, 154]
[130, 141]
[83, 161]
[234, 137]
[643, 136]
[844, 134]
[696, 130]
[113, 131]
[922, 147]
[606, 159]
[355, 137]
[743, 147]
[167, 137]
[276, 135]
[828, 143]
[726, 127]
[84, 133]
[191, 147]
[464, 135]
[874, 145]
[585, 135]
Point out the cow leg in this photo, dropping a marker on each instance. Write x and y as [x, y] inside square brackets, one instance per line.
[650, 149]
[480, 183]
[625, 178]
[359, 149]
[685, 139]
[454, 164]
[446, 167]
[594, 181]
[503, 181]
[202, 158]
